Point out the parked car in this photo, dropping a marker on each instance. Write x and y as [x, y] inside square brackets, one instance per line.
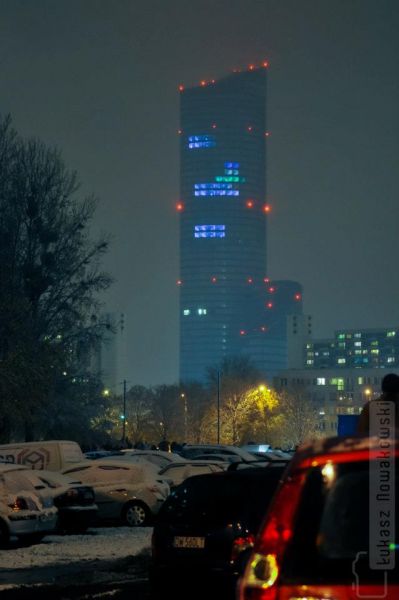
[52, 455]
[23, 514]
[320, 532]
[192, 450]
[175, 473]
[160, 458]
[206, 527]
[77, 509]
[124, 491]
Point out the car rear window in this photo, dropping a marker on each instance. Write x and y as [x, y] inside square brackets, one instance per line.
[222, 497]
[331, 538]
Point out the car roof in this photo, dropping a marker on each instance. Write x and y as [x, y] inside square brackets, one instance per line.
[171, 457]
[340, 449]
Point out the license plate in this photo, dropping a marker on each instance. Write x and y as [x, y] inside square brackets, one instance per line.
[188, 542]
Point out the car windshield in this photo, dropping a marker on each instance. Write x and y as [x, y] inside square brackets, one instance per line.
[331, 539]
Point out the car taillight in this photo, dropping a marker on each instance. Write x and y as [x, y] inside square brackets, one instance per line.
[72, 493]
[240, 544]
[262, 570]
[23, 504]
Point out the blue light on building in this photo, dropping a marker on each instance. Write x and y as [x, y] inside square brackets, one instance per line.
[201, 141]
[209, 231]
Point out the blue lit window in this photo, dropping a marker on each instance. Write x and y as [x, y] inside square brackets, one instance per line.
[209, 231]
[213, 186]
[216, 193]
[225, 184]
[201, 141]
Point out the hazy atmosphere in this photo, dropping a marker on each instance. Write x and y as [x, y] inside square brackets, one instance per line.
[99, 80]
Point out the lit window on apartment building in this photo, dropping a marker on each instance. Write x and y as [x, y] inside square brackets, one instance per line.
[321, 381]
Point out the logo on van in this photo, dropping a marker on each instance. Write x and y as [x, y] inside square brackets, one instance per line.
[36, 459]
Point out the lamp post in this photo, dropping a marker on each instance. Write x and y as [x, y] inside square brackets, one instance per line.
[124, 414]
[218, 407]
[183, 397]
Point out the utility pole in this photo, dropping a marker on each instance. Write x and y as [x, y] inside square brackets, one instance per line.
[124, 414]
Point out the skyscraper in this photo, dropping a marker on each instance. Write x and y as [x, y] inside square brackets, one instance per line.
[226, 302]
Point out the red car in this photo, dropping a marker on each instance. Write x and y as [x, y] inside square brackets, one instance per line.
[330, 531]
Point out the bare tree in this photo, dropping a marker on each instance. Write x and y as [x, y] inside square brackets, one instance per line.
[50, 277]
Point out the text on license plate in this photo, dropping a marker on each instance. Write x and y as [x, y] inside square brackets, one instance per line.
[181, 541]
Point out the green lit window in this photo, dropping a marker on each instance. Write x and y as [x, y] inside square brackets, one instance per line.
[339, 382]
[358, 351]
[360, 380]
[374, 343]
[341, 344]
[341, 361]
[341, 336]
[391, 333]
[375, 351]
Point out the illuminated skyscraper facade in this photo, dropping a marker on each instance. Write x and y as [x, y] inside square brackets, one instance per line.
[227, 302]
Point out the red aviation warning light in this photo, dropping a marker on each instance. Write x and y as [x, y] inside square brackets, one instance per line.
[250, 128]
[214, 125]
[267, 208]
[267, 133]
[251, 67]
[250, 280]
[265, 64]
[249, 204]
[263, 328]
[266, 279]
[179, 206]
[242, 332]
[214, 279]
[203, 82]
[298, 297]
[269, 305]
[179, 282]
[180, 131]
[181, 88]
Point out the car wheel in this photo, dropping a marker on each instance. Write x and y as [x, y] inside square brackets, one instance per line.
[4, 535]
[135, 514]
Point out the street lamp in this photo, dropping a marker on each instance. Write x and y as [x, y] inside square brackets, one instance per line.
[218, 407]
[183, 397]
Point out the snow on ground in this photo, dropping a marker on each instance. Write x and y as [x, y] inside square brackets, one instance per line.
[98, 543]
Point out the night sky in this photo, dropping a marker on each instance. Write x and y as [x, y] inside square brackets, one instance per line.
[99, 80]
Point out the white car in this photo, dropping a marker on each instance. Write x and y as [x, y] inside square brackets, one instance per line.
[124, 491]
[157, 457]
[23, 514]
[177, 472]
[75, 502]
